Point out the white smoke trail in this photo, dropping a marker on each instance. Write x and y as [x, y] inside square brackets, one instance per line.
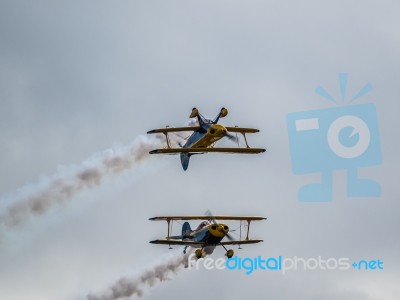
[133, 286]
[178, 139]
[193, 122]
[36, 199]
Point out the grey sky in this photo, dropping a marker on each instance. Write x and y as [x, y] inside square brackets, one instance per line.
[78, 77]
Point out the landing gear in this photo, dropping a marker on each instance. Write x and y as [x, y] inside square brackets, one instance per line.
[229, 253]
[198, 253]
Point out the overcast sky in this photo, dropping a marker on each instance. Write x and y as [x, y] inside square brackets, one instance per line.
[80, 77]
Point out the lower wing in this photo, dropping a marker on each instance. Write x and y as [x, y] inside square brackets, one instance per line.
[175, 242]
[242, 242]
[193, 243]
[206, 150]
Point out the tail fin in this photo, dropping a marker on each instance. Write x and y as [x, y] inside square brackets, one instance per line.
[195, 114]
[221, 114]
[186, 230]
[185, 157]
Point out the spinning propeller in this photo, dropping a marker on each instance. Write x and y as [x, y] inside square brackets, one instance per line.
[214, 221]
[231, 137]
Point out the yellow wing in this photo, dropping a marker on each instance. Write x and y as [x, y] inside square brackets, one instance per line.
[175, 242]
[211, 150]
[194, 128]
[193, 243]
[202, 217]
[242, 242]
[173, 129]
[242, 130]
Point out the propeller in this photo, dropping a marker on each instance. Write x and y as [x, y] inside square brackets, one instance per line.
[232, 137]
[214, 221]
[229, 237]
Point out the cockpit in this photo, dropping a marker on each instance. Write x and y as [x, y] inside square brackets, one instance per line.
[202, 225]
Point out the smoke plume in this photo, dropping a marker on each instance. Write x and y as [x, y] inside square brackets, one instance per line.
[133, 286]
[36, 199]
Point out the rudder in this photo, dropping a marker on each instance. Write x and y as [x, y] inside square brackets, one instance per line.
[185, 157]
[186, 230]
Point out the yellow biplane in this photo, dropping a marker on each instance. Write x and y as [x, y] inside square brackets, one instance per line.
[208, 233]
[204, 137]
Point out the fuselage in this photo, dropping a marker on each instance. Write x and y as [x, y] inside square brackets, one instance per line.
[211, 235]
[207, 135]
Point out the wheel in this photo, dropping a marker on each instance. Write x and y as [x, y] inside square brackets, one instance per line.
[230, 253]
[198, 253]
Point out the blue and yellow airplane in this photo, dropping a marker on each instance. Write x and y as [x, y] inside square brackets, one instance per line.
[204, 137]
[208, 233]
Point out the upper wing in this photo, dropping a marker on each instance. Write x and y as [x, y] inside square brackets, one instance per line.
[175, 242]
[242, 242]
[200, 217]
[212, 150]
[242, 130]
[173, 129]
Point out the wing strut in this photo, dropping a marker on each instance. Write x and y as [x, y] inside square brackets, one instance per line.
[167, 138]
[248, 229]
[244, 135]
[240, 232]
[169, 231]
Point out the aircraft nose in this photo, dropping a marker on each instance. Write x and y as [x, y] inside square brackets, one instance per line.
[217, 130]
[223, 130]
[213, 130]
[223, 228]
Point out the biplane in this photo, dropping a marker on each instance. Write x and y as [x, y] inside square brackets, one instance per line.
[208, 234]
[204, 137]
